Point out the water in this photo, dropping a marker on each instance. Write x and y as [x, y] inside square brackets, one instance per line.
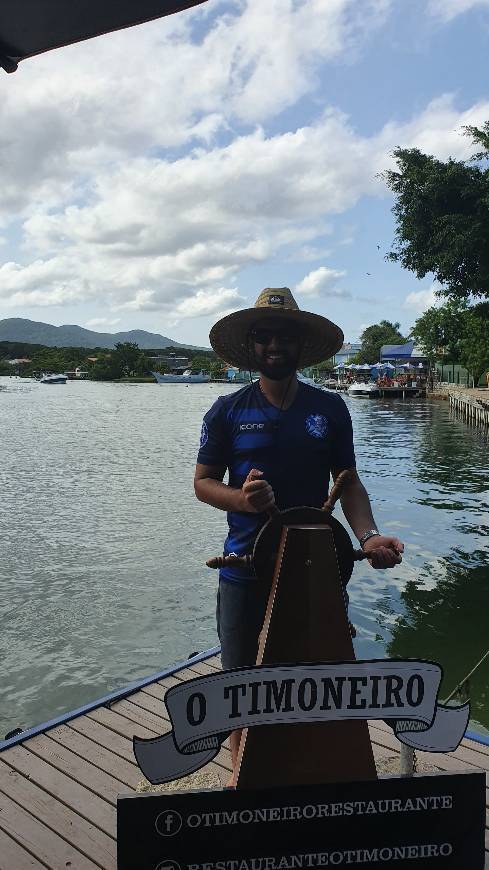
[103, 544]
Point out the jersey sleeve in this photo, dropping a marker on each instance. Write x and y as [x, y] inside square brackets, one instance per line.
[343, 451]
[214, 437]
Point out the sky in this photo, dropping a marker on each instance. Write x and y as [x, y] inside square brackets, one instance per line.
[159, 177]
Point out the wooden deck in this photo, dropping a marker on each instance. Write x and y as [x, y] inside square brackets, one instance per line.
[58, 789]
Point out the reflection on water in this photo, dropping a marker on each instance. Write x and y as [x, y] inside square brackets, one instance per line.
[447, 622]
[103, 545]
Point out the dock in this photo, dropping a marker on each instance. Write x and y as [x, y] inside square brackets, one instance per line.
[402, 392]
[59, 783]
[471, 405]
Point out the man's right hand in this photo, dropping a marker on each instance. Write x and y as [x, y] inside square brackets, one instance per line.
[257, 494]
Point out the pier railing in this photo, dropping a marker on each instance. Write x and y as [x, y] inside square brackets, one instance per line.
[471, 405]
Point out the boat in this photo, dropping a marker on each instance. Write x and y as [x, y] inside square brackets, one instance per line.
[50, 378]
[185, 378]
[363, 389]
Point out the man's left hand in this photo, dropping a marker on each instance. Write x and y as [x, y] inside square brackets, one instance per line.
[384, 552]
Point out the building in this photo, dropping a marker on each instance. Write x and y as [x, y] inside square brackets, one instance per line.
[403, 353]
[346, 353]
[176, 365]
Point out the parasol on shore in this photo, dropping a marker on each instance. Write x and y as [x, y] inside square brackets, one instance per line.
[30, 27]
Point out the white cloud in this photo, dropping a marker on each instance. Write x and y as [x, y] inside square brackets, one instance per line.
[206, 302]
[95, 322]
[156, 231]
[449, 9]
[68, 114]
[420, 300]
[322, 282]
[115, 208]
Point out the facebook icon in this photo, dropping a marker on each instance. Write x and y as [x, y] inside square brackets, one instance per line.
[168, 823]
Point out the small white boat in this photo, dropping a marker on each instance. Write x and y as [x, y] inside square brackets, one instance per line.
[186, 378]
[359, 389]
[53, 379]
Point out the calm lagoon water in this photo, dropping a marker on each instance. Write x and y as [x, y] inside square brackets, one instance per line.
[103, 544]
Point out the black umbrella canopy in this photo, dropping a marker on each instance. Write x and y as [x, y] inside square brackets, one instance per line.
[29, 27]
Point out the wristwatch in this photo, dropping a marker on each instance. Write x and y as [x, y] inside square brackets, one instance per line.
[370, 534]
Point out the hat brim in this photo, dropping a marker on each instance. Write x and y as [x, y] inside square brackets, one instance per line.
[229, 336]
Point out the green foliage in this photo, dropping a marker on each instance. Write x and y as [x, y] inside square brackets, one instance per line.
[50, 359]
[321, 369]
[201, 363]
[107, 368]
[442, 218]
[474, 344]
[439, 331]
[216, 369]
[373, 337]
[126, 358]
[456, 333]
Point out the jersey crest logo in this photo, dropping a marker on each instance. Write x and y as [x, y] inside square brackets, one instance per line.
[204, 435]
[317, 425]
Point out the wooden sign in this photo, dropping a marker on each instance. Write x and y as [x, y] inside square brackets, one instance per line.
[306, 621]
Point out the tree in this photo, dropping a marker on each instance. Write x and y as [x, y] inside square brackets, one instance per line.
[439, 331]
[456, 334]
[201, 363]
[474, 345]
[442, 218]
[126, 357]
[373, 337]
[107, 368]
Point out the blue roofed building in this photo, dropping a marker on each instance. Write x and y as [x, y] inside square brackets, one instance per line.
[402, 353]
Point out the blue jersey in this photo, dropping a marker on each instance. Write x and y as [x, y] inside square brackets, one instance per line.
[296, 450]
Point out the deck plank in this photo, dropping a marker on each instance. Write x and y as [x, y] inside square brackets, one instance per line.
[88, 839]
[62, 787]
[126, 772]
[80, 770]
[47, 846]
[14, 857]
[120, 724]
[156, 723]
[104, 737]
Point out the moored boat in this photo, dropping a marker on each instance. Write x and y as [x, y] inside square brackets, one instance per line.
[360, 389]
[185, 378]
[51, 378]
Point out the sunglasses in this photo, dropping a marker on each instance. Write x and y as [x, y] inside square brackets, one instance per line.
[264, 336]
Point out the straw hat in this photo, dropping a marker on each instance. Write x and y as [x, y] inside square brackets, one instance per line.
[229, 336]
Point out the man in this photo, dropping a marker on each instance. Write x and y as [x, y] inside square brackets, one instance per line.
[280, 439]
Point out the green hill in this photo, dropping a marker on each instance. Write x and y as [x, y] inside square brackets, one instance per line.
[19, 329]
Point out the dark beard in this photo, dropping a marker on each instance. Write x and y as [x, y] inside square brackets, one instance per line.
[276, 371]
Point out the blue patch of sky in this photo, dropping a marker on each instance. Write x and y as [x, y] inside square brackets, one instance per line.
[11, 249]
[399, 69]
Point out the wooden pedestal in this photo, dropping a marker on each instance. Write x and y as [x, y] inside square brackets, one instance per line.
[306, 621]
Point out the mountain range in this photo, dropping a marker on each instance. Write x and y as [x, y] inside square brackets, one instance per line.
[32, 332]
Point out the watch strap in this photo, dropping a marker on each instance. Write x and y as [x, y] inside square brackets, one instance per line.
[370, 534]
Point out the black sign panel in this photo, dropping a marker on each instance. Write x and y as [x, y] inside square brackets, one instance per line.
[422, 822]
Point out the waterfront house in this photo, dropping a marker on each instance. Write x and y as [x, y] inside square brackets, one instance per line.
[346, 353]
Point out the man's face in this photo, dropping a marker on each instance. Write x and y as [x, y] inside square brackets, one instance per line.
[275, 346]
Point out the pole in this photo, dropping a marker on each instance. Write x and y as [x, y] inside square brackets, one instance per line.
[406, 763]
